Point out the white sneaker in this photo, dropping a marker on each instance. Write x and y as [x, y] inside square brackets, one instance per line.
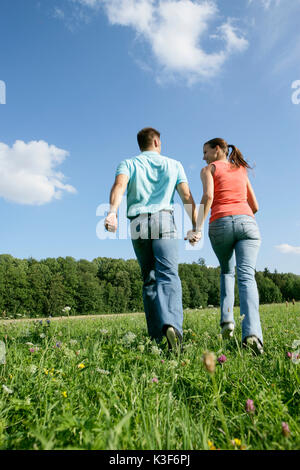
[253, 343]
[227, 330]
[173, 339]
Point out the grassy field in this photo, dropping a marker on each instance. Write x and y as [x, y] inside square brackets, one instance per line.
[101, 384]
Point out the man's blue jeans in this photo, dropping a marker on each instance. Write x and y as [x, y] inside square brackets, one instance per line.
[239, 235]
[154, 239]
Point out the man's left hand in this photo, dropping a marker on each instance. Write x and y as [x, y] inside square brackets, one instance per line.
[193, 236]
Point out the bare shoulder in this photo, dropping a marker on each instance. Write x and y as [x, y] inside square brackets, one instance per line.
[208, 170]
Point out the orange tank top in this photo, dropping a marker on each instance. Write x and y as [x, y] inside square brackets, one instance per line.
[230, 191]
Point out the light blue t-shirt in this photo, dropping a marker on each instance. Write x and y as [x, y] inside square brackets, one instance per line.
[152, 182]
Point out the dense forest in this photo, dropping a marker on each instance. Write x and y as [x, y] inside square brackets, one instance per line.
[44, 288]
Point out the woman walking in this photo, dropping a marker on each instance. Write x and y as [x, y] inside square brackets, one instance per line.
[232, 231]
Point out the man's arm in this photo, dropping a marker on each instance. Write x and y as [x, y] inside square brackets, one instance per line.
[188, 201]
[251, 197]
[116, 194]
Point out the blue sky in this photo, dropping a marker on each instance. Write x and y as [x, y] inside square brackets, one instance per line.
[83, 76]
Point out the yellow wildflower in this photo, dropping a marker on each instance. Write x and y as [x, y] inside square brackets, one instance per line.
[46, 371]
[64, 394]
[10, 376]
[81, 366]
[211, 445]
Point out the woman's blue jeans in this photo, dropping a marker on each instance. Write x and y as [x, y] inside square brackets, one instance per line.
[154, 239]
[238, 235]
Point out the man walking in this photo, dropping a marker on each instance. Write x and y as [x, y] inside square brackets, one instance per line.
[151, 180]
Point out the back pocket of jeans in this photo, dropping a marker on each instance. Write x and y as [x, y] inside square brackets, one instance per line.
[250, 230]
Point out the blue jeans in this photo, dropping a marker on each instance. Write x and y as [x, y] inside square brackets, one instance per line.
[239, 235]
[154, 239]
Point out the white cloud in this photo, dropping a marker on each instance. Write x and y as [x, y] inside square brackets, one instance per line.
[89, 3]
[267, 3]
[175, 29]
[284, 248]
[27, 174]
[58, 13]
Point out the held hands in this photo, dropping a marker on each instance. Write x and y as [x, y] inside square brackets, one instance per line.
[193, 236]
[111, 222]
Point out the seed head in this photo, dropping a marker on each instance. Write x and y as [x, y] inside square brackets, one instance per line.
[285, 429]
[209, 361]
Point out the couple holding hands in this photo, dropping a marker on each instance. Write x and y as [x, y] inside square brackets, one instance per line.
[151, 180]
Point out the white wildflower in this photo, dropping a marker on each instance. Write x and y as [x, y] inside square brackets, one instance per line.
[2, 353]
[102, 371]
[42, 335]
[7, 390]
[32, 369]
[173, 364]
[141, 347]
[103, 331]
[129, 338]
[66, 309]
[155, 350]
[295, 344]
[69, 353]
[295, 357]
[73, 341]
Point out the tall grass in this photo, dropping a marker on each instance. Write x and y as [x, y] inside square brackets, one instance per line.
[88, 384]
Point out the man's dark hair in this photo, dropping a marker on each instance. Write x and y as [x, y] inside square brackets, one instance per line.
[145, 137]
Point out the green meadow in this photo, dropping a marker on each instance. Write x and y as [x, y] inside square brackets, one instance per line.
[100, 383]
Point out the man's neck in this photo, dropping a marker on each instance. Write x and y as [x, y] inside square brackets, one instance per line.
[151, 150]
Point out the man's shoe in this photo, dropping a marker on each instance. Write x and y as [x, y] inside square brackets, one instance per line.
[174, 339]
[227, 330]
[253, 343]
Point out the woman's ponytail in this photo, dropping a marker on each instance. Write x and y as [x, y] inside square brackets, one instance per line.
[236, 157]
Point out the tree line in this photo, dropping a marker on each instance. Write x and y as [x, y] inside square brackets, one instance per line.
[44, 288]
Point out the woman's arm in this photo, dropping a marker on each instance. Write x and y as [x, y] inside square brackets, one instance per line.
[252, 201]
[208, 195]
